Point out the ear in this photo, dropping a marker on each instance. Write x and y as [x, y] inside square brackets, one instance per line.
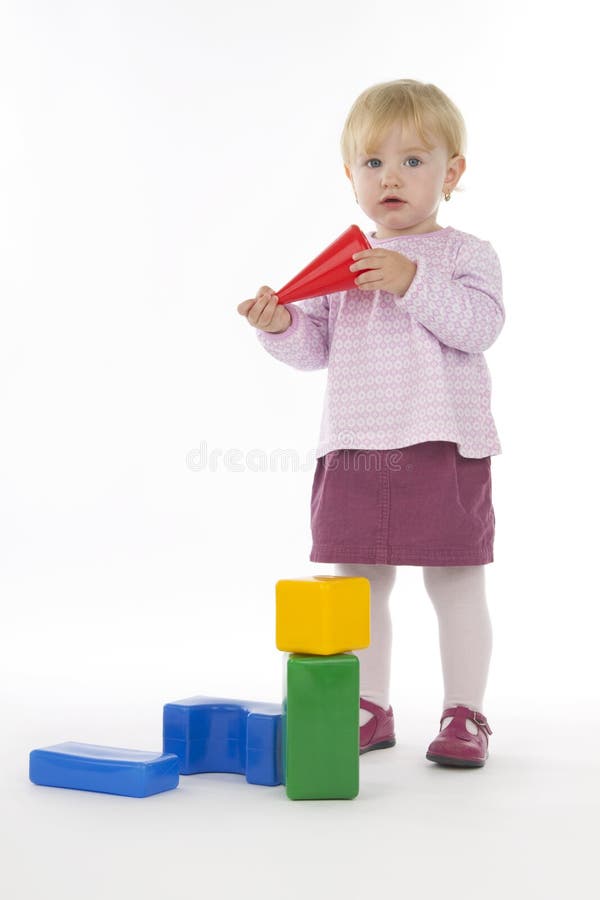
[456, 167]
[348, 172]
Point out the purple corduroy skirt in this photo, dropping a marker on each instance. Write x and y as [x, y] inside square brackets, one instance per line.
[423, 505]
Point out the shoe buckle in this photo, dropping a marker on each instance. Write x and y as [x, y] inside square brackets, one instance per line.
[481, 720]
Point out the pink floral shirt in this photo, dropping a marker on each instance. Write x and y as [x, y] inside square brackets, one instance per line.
[402, 370]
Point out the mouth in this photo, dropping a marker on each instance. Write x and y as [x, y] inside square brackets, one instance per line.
[393, 201]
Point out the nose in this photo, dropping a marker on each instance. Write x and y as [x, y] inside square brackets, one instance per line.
[390, 176]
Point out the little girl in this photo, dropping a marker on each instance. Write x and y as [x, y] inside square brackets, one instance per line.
[403, 468]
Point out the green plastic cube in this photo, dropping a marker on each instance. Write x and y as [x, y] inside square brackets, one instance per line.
[320, 727]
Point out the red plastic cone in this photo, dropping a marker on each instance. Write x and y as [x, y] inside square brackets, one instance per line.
[329, 271]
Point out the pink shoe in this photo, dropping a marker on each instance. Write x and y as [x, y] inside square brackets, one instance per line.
[455, 746]
[378, 732]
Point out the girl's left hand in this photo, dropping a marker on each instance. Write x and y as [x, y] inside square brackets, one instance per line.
[390, 271]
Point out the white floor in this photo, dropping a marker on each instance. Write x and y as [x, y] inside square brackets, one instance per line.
[525, 825]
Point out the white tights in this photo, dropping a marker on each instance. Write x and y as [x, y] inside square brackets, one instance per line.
[465, 632]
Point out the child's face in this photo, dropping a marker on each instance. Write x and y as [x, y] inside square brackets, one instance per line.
[417, 176]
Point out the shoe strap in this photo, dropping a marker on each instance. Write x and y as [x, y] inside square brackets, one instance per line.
[371, 707]
[463, 712]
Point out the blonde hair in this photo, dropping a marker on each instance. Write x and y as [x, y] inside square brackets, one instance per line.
[406, 102]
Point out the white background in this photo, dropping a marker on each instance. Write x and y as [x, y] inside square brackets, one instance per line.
[159, 161]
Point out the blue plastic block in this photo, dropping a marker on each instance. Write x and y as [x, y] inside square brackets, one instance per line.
[110, 770]
[215, 734]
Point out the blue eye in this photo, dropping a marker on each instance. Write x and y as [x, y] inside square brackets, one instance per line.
[378, 162]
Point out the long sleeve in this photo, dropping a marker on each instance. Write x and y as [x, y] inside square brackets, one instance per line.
[465, 312]
[305, 343]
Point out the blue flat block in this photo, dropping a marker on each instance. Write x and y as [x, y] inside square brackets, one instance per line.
[217, 734]
[109, 770]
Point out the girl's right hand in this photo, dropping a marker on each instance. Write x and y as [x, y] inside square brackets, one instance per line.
[265, 313]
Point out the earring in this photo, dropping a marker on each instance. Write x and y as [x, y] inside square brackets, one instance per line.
[447, 195]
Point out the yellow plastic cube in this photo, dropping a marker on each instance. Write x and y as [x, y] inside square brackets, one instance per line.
[323, 614]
